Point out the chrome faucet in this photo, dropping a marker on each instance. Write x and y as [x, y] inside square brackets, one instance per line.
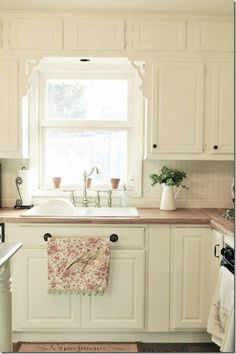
[85, 200]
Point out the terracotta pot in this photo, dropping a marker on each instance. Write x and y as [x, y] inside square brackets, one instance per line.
[56, 182]
[89, 181]
[115, 183]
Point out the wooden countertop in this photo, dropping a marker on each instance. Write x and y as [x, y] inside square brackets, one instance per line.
[211, 217]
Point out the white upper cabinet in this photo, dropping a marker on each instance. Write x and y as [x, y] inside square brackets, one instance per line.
[94, 33]
[188, 80]
[222, 112]
[177, 107]
[9, 108]
[214, 36]
[165, 35]
[1, 34]
[37, 33]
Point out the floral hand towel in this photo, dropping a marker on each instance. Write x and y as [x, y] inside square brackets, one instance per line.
[78, 265]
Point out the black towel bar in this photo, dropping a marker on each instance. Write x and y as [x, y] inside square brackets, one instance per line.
[46, 236]
[113, 237]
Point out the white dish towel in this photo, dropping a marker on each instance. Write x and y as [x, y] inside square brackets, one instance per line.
[221, 316]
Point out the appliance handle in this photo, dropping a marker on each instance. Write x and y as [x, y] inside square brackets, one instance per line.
[216, 254]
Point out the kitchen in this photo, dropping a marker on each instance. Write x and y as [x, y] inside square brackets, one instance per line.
[176, 68]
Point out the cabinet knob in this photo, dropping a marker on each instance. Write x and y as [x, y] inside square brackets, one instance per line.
[46, 236]
[114, 238]
[215, 147]
[154, 146]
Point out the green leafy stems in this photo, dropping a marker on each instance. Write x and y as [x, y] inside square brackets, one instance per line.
[169, 176]
[86, 258]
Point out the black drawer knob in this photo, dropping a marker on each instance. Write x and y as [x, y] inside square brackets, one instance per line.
[154, 146]
[46, 236]
[215, 147]
[114, 238]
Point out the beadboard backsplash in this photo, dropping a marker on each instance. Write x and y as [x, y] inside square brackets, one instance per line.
[209, 183]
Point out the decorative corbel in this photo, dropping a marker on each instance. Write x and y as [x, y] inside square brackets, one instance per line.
[140, 66]
[27, 68]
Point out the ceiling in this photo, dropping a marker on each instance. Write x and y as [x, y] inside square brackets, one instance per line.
[209, 6]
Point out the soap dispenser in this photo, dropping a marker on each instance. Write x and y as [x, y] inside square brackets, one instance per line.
[124, 197]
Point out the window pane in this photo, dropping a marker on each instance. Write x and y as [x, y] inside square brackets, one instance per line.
[69, 153]
[87, 99]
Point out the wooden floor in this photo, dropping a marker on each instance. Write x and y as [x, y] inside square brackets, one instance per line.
[166, 347]
[178, 348]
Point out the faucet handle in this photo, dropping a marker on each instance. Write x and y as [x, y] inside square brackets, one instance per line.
[98, 199]
[109, 198]
[72, 195]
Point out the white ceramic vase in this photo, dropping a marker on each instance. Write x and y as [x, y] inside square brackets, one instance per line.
[168, 197]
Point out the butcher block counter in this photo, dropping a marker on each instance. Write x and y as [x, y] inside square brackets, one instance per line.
[147, 216]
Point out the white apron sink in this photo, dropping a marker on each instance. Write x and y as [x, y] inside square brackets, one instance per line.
[62, 207]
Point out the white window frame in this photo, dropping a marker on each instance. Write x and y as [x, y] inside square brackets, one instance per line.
[39, 125]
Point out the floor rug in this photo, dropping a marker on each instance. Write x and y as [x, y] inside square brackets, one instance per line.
[78, 348]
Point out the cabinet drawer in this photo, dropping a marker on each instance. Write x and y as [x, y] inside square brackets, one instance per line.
[33, 234]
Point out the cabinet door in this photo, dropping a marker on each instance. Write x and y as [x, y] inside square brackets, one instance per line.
[1, 34]
[222, 119]
[122, 305]
[94, 34]
[33, 307]
[190, 276]
[37, 33]
[8, 108]
[158, 312]
[213, 36]
[159, 35]
[177, 108]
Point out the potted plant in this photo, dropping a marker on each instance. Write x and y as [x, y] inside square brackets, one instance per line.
[169, 178]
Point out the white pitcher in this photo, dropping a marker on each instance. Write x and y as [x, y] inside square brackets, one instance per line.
[168, 197]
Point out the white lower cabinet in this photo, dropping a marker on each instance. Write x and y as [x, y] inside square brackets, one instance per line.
[158, 308]
[121, 306]
[190, 277]
[33, 307]
[159, 281]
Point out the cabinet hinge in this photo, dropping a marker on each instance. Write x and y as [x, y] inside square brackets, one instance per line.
[125, 34]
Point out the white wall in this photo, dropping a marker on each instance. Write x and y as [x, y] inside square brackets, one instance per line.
[209, 183]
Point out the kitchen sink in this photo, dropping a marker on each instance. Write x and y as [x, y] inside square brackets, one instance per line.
[62, 207]
[108, 212]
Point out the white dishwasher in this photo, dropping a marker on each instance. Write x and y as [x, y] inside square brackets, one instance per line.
[221, 317]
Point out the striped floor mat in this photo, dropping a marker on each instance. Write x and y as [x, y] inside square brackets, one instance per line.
[78, 348]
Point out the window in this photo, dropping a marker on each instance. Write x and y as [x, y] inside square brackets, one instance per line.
[87, 116]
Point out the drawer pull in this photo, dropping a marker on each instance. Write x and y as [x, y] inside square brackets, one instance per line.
[215, 251]
[46, 236]
[114, 238]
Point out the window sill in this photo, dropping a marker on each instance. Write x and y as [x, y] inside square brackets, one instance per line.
[65, 192]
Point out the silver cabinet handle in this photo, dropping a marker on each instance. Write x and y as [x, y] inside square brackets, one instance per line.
[215, 250]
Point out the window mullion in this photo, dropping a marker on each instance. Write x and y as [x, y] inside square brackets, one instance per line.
[84, 124]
